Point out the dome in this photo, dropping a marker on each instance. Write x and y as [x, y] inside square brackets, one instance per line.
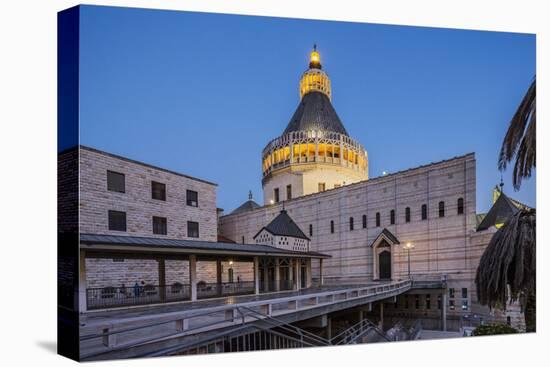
[315, 112]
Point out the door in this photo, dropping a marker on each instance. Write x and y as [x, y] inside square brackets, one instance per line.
[384, 265]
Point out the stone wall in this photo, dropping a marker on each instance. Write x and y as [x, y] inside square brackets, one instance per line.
[442, 244]
[104, 272]
[96, 200]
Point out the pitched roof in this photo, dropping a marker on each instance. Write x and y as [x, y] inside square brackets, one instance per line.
[246, 206]
[390, 236]
[315, 112]
[283, 225]
[502, 209]
[98, 241]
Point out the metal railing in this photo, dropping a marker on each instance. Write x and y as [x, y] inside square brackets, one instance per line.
[194, 321]
[108, 297]
[352, 334]
[211, 290]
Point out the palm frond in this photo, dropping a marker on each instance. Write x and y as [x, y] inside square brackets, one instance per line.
[509, 262]
[520, 139]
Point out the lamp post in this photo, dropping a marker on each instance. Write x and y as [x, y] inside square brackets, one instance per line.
[409, 246]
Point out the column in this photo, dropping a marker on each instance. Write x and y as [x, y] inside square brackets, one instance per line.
[321, 276]
[162, 279]
[290, 271]
[193, 276]
[266, 277]
[82, 301]
[256, 275]
[277, 275]
[219, 276]
[308, 273]
[381, 323]
[329, 327]
[298, 274]
[444, 310]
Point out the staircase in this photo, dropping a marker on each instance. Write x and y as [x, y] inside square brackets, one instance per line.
[271, 333]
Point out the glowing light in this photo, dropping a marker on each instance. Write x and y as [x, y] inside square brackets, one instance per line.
[384, 173]
[230, 262]
[315, 57]
[271, 202]
[408, 246]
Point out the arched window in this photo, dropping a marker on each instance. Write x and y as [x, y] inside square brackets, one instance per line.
[441, 209]
[460, 206]
[424, 212]
[331, 226]
[364, 221]
[351, 223]
[378, 219]
[407, 214]
[392, 216]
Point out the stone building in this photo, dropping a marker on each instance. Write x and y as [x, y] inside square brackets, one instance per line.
[420, 222]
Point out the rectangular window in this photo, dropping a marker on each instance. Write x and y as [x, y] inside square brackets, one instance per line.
[407, 214]
[192, 198]
[451, 293]
[451, 305]
[276, 194]
[428, 302]
[193, 229]
[364, 221]
[424, 212]
[158, 191]
[331, 226]
[351, 223]
[311, 229]
[378, 219]
[160, 225]
[116, 182]
[392, 216]
[441, 209]
[465, 305]
[322, 186]
[464, 292]
[288, 192]
[117, 221]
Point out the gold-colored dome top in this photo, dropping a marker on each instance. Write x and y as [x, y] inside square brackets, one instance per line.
[314, 59]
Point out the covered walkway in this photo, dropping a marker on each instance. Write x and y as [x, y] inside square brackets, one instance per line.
[126, 271]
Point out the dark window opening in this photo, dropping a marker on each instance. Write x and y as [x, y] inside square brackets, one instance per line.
[392, 216]
[117, 221]
[193, 229]
[378, 219]
[160, 225]
[322, 186]
[331, 226]
[451, 293]
[276, 194]
[116, 182]
[417, 302]
[288, 192]
[351, 223]
[158, 191]
[407, 214]
[364, 221]
[460, 206]
[441, 209]
[424, 212]
[464, 292]
[192, 198]
[311, 229]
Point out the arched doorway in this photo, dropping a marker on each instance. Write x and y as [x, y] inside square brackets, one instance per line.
[384, 265]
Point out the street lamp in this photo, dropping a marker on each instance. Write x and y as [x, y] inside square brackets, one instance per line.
[409, 246]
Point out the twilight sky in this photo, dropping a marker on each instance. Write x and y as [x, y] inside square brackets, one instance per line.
[203, 93]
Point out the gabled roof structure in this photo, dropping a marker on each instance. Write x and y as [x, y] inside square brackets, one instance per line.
[503, 208]
[283, 225]
[386, 234]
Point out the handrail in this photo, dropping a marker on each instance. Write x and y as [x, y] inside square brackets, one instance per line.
[109, 328]
[178, 315]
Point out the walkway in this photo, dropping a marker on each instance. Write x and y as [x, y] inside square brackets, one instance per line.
[124, 331]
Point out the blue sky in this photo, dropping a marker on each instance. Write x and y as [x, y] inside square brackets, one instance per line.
[203, 93]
